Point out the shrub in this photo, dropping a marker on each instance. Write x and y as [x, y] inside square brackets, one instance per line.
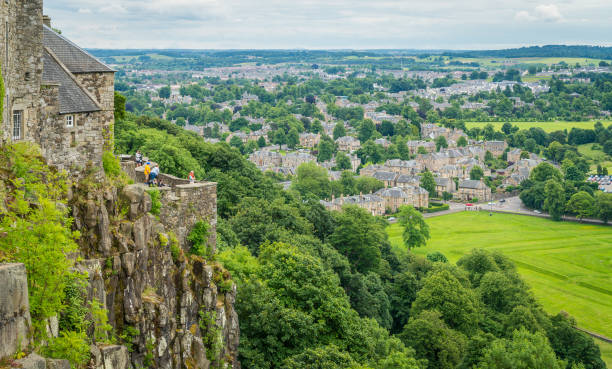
[72, 346]
[111, 165]
[199, 239]
[102, 329]
[175, 249]
[155, 201]
[437, 256]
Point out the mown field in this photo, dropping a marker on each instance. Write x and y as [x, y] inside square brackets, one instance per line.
[546, 126]
[568, 265]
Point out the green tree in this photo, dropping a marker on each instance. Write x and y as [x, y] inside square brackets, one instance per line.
[581, 204]
[261, 142]
[343, 162]
[441, 143]
[326, 151]
[462, 142]
[312, 179]
[429, 183]
[442, 291]
[554, 202]
[119, 104]
[293, 138]
[573, 346]
[339, 130]
[236, 142]
[421, 150]
[328, 357]
[358, 236]
[434, 341]
[524, 351]
[416, 230]
[476, 173]
[545, 171]
[366, 130]
[165, 92]
[280, 138]
[603, 206]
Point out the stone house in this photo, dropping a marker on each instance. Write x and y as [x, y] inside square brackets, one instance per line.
[514, 155]
[348, 144]
[406, 180]
[57, 94]
[444, 184]
[395, 197]
[309, 140]
[413, 146]
[496, 148]
[372, 203]
[470, 189]
[403, 166]
[370, 170]
[388, 178]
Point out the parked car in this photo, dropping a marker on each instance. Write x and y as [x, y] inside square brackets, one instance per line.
[537, 212]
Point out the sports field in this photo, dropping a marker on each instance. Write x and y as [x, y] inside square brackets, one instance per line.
[546, 126]
[568, 265]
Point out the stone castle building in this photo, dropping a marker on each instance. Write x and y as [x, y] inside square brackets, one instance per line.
[56, 94]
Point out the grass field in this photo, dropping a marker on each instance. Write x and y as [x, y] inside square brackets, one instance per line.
[596, 157]
[546, 126]
[568, 265]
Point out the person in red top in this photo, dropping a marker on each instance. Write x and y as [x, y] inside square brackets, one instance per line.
[191, 177]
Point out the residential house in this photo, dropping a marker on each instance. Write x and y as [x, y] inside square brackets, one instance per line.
[444, 184]
[470, 189]
[309, 140]
[348, 144]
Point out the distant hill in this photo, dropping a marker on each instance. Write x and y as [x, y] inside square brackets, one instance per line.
[564, 51]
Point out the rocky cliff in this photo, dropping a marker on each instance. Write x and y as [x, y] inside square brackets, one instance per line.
[173, 309]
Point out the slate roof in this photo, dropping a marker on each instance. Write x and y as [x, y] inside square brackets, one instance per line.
[385, 176]
[72, 98]
[468, 183]
[394, 192]
[442, 181]
[73, 57]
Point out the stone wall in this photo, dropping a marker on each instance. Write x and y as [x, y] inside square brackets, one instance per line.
[14, 309]
[186, 204]
[21, 63]
[71, 148]
[101, 86]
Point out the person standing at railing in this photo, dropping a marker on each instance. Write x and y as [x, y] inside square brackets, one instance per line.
[191, 177]
[147, 171]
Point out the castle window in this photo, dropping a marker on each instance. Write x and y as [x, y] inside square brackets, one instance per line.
[69, 121]
[27, 76]
[17, 118]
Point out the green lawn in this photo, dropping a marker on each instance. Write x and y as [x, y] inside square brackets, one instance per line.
[547, 126]
[568, 265]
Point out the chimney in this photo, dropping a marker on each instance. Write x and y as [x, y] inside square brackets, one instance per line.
[47, 21]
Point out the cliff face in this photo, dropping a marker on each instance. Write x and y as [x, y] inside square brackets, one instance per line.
[173, 309]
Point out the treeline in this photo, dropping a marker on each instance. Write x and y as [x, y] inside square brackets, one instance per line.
[566, 51]
[324, 289]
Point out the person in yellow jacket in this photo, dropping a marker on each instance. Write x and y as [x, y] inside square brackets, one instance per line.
[147, 171]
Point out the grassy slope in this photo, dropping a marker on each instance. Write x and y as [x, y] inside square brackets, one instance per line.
[546, 126]
[568, 265]
[597, 157]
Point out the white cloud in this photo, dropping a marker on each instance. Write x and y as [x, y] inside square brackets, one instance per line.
[330, 23]
[542, 12]
[549, 12]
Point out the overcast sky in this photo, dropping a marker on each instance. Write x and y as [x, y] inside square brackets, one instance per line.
[331, 24]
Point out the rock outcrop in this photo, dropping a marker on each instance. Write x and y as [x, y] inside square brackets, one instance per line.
[173, 310]
[14, 309]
